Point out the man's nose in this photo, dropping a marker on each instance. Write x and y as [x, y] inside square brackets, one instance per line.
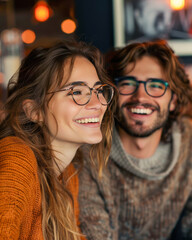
[140, 93]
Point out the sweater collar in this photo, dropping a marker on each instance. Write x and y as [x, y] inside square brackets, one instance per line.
[126, 161]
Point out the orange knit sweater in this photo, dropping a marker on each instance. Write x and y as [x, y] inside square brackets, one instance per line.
[20, 195]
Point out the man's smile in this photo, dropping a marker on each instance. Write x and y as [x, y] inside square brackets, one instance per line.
[142, 111]
[140, 108]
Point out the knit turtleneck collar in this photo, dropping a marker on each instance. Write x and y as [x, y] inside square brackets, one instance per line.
[166, 157]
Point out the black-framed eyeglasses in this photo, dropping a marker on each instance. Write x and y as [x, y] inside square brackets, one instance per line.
[81, 93]
[154, 87]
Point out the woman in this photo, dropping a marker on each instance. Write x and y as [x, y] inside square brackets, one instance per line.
[57, 102]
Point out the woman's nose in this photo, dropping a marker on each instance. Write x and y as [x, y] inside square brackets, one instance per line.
[94, 101]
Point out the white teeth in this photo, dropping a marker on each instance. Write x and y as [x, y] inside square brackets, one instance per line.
[88, 120]
[141, 110]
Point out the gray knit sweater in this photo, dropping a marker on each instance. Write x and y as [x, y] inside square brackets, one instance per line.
[138, 202]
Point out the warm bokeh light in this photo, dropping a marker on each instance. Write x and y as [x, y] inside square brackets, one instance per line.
[41, 11]
[68, 26]
[28, 36]
[177, 4]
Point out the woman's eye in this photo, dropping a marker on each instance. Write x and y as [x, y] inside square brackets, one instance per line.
[100, 91]
[77, 92]
[70, 92]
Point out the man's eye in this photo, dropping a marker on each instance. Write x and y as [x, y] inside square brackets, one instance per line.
[156, 85]
[128, 83]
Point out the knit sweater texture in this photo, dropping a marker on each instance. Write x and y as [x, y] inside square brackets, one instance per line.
[133, 203]
[20, 194]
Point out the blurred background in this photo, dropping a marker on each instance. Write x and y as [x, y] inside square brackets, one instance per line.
[104, 23]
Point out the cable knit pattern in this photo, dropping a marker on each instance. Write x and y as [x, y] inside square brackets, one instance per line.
[129, 204]
[126, 161]
[20, 195]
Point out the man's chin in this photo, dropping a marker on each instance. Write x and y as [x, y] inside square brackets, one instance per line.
[143, 134]
[139, 132]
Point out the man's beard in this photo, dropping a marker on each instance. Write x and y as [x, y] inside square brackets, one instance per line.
[138, 130]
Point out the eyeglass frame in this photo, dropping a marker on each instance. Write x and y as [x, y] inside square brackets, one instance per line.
[74, 84]
[119, 79]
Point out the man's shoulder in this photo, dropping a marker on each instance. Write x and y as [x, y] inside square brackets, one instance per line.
[186, 119]
[185, 125]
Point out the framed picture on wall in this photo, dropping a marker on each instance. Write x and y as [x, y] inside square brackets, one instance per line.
[142, 20]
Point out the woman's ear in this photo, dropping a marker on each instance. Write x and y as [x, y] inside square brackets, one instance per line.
[28, 107]
[173, 102]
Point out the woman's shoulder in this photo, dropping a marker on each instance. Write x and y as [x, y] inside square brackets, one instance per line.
[13, 148]
[11, 140]
[19, 187]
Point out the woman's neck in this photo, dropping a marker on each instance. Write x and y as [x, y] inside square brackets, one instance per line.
[64, 154]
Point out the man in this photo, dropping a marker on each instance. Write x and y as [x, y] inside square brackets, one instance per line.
[145, 192]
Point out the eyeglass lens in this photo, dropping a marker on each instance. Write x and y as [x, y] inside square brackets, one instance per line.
[82, 94]
[153, 87]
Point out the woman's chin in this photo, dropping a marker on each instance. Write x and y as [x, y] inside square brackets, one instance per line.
[94, 140]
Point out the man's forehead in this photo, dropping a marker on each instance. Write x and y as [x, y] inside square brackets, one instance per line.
[145, 58]
[145, 67]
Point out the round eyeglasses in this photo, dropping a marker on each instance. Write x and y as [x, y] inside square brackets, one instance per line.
[154, 87]
[81, 93]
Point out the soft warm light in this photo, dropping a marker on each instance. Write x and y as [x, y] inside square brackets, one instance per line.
[41, 11]
[28, 36]
[68, 26]
[177, 4]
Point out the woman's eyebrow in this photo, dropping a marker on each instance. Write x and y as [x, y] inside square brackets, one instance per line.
[98, 83]
[81, 83]
[78, 83]
[74, 83]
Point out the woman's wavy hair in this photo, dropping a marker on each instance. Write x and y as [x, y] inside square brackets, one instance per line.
[41, 71]
[117, 61]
